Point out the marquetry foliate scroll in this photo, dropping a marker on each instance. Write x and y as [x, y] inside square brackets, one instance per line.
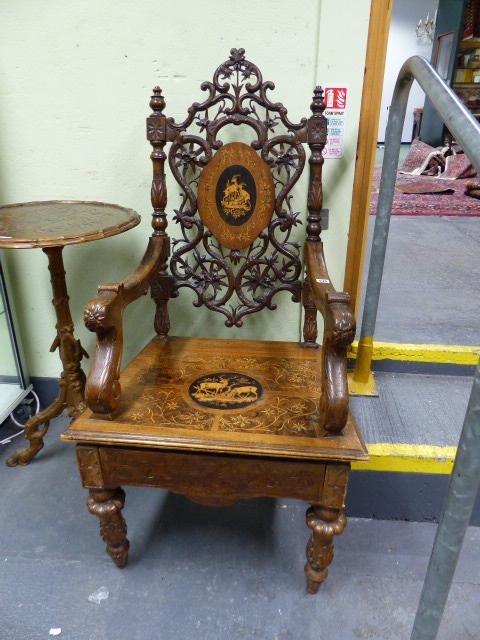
[236, 195]
[188, 398]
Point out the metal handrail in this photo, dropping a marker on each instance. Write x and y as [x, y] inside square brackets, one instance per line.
[465, 477]
[457, 510]
[466, 131]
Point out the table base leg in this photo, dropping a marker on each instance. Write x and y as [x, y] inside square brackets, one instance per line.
[34, 434]
[72, 380]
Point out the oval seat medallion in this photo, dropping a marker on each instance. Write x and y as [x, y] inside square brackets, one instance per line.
[236, 195]
[225, 390]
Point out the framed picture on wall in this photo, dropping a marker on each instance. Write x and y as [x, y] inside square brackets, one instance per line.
[443, 53]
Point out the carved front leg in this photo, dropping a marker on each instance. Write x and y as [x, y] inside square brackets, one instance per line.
[107, 505]
[325, 524]
[326, 520]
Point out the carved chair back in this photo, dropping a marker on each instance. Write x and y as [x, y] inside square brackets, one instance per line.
[236, 248]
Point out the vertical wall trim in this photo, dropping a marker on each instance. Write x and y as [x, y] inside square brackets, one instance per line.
[317, 43]
[314, 82]
[380, 13]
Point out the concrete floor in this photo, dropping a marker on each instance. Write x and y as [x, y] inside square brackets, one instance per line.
[414, 409]
[199, 572]
[429, 291]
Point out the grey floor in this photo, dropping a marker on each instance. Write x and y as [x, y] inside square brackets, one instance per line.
[430, 288]
[419, 409]
[198, 572]
[429, 292]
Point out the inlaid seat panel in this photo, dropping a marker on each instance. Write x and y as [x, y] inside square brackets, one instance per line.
[238, 396]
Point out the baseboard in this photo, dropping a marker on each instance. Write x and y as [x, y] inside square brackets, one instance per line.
[46, 389]
[386, 495]
[433, 359]
[424, 368]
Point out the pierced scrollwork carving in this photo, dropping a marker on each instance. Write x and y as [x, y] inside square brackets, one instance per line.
[237, 282]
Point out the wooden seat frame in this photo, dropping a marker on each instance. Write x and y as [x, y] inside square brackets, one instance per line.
[221, 451]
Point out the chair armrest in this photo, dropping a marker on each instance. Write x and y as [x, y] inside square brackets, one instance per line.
[338, 335]
[103, 315]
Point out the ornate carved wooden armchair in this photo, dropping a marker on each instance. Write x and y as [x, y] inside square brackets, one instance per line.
[223, 419]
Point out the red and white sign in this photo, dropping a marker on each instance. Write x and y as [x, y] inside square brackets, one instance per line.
[335, 98]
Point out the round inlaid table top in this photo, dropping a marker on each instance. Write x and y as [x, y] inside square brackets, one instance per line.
[59, 222]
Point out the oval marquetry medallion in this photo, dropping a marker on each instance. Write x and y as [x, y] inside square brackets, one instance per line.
[236, 195]
[225, 390]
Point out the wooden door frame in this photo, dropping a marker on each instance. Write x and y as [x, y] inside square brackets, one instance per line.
[379, 24]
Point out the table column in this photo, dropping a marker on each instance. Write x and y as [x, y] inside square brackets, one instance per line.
[72, 379]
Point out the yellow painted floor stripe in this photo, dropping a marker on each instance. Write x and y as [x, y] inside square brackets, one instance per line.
[444, 353]
[408, 458]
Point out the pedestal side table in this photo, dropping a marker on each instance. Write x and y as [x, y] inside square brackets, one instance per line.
[50, 226]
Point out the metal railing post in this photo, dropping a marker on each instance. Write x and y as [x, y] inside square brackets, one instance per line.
[393, 139]
[459, 502]
[466, 131]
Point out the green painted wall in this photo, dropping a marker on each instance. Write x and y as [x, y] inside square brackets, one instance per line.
[75, 82]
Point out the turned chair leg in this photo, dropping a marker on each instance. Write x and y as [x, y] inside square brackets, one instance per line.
[325, 524]
[107, 505]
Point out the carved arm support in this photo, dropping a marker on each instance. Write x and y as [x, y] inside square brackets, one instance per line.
[103, 315]
[338, 335]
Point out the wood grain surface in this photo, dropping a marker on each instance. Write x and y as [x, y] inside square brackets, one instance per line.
[59, 222]
[236, 195]
[157, 410]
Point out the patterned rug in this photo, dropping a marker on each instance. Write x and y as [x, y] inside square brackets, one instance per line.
[447, 203]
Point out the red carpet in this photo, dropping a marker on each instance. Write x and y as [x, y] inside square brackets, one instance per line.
[438, 204]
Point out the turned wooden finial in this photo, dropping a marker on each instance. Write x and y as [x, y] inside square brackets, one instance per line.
[157, 102]
[318, 105]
